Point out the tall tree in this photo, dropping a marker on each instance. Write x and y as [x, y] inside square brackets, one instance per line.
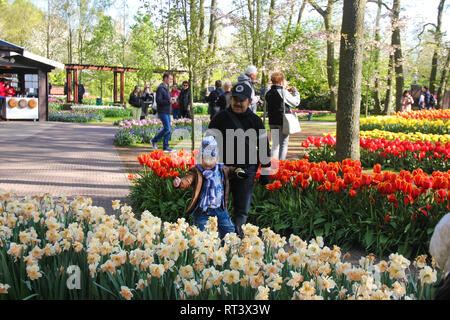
[300, 12]
[143, 45]
[444, 80]
[350, 75]
[438, 44]
[189, 8]
[398, 56]
[103, 49]
[212, 42]
[377, 58]
[20, 22]
[395, 61]
[327, 15]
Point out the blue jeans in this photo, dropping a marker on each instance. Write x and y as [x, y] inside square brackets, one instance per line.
[166, 131]
[223, 221]
[176, 114]
[242, 192]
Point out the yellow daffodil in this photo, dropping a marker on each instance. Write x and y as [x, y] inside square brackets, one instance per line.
[4, 288]
[125, 292]
[427, 275]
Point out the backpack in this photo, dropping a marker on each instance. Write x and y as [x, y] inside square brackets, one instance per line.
[432, 100]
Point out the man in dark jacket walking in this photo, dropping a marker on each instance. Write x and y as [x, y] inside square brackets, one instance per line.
[81, 92]
[213, 99]
[163, 101]
[225, 99]
[185, 100]
[243, 144]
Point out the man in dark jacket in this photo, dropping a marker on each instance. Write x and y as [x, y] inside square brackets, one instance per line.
[213, 99]
[185, 100]
[225, 99]
[163, 101]
[242, 132]
[81, 92]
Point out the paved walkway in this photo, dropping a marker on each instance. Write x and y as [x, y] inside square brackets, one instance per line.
[62, 158]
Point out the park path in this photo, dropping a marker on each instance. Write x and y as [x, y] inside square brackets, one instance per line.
[62, 158]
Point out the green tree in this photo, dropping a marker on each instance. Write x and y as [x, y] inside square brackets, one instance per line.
[143, 46]
[20, 23]
[327, 15]
[103, 49]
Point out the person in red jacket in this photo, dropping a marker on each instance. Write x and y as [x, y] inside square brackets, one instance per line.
[175, 94]
[9, 91]
[2, 88]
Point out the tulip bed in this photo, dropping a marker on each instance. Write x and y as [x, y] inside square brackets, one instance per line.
[411, 136]
[382, 212]
[43, 239]
[397, 154]
[397, 123]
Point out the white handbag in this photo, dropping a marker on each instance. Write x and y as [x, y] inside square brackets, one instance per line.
[291, 125]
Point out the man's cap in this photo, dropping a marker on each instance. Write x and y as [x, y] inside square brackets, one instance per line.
[242, 91]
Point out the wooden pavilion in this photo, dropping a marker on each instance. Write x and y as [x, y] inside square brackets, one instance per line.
[72, 76]
[30, 75]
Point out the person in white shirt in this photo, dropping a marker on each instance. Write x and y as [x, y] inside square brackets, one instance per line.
[279, 102]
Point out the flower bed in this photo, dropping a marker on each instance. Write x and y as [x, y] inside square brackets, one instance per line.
[400, 124]
[107, 111]
[43, 239]
[397, 155]
[425, 114]
[382, 212]
[142, 131]
[411, 136]
[75, 116]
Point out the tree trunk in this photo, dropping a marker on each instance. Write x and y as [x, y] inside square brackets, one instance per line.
[443, 83]
[350, 76]
[48, 28]
[251, 15]
[211, 41]
[388, 108]
[300, 13]
[70, 45]
[438, 41]
[291, 14]
[397, 44]
[331, 73]
[201, 17]
[257, 36]
[377, 60]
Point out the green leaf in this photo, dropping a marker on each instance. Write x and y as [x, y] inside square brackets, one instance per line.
[369, 238]
[327, 228]
[103, 288]
[318, 232]
[320, 220]
[30, 297]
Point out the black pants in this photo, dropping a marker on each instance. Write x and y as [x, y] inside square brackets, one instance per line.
[242, 192]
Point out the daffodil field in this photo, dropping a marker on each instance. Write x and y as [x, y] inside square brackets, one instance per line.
[382, 212]
[42, 239]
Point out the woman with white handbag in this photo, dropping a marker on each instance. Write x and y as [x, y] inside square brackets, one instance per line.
[282, 121]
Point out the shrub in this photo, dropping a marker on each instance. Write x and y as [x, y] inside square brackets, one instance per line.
[74, 116]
